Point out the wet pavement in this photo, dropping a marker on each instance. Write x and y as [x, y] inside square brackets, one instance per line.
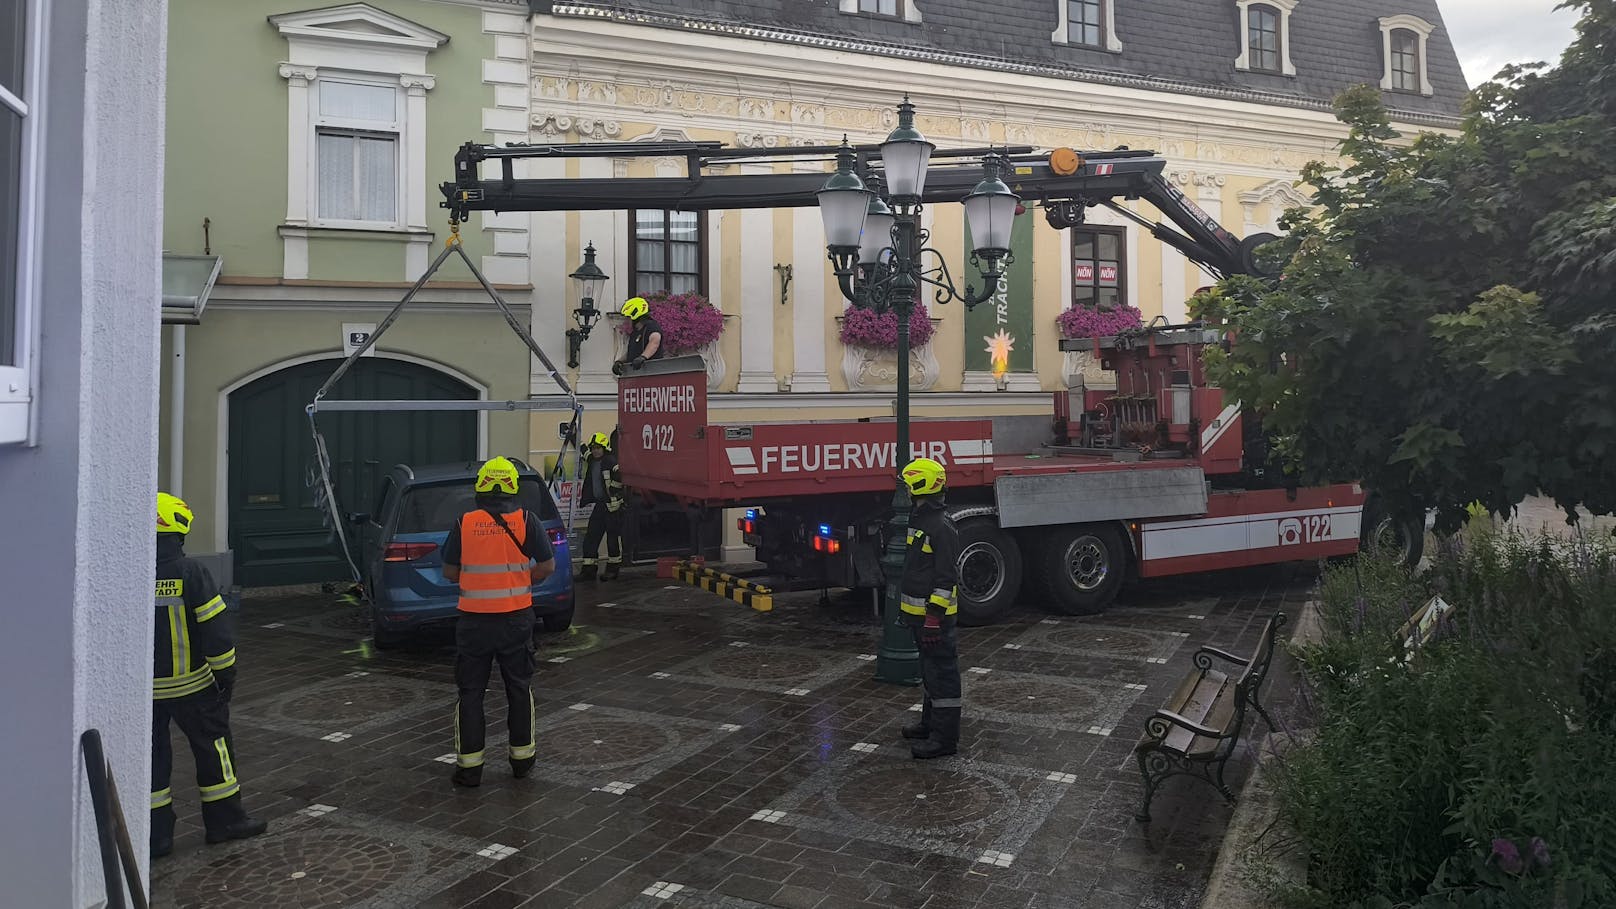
[695, 753]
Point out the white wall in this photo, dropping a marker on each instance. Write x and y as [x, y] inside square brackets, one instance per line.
[77, 544]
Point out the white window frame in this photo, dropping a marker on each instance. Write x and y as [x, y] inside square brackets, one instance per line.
[1422, 29]
[18, 417]
[354, 43]
[397, 128]
[1285, 8]
[1108, 15]
[908, 10]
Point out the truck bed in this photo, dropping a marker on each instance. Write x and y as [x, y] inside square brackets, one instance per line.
[668, 446]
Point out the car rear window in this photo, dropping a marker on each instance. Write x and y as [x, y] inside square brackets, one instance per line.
[425, 509]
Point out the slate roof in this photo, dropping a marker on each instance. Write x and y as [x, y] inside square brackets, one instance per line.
[1185, 46]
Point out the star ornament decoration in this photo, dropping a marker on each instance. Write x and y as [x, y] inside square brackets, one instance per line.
[998, 349]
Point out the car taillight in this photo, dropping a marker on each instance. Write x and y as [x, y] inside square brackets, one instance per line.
[558, 537]
[408, 552]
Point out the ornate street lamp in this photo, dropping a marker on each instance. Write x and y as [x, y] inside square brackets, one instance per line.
[589, 280]
[882, 265]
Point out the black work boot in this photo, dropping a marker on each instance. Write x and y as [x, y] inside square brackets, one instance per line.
[226, 820]
[469, 777]
[162, 831]
[922, 729]
[610, 574]
[944, 738]
[585, 573]
[521, 767]
[243, 829]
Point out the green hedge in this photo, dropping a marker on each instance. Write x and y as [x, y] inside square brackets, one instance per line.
[1481, 771]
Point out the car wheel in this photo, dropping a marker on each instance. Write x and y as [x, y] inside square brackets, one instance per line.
[1401, 537]
[989, 571]
[1084, 566]
[560, 621]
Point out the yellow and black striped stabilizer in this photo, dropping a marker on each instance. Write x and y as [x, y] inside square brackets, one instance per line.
[728, 586]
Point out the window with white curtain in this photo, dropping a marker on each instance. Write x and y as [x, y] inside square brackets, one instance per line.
[668, 252]
[357, 129]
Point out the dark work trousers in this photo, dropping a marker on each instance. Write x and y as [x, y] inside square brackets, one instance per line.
[204, 717]
[480, 639]
[607, 525]
[940, 677]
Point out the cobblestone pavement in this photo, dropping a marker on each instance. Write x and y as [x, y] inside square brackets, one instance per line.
[695, 753]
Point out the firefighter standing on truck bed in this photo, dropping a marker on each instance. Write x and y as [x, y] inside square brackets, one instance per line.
[644, 339]
[603, 488]
[930, 604]
[496, 552]
[194, 672]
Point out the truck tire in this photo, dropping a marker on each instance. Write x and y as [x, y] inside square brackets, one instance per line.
[989, 571]
[1400, 536]
[1084, 566]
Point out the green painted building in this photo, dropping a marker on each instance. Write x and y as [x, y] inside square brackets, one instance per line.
[304, 148]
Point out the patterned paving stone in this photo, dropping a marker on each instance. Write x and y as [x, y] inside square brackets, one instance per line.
[773, 669]
[960, 807]
[346, 859]
[1113, 642]
[1048, 702]
[344, 705]
[597, 746]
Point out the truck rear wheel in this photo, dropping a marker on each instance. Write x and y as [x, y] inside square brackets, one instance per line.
[1083, 566]
[1401, 537]
[989, 571]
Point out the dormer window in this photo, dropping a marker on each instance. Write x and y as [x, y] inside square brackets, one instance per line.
[904, 10]
[1403, 42]
[1087, 23]
[1265, 36]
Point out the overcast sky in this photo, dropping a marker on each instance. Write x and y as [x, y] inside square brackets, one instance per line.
[1491, 33]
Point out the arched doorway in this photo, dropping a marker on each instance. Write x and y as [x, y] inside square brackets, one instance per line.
[278, 532]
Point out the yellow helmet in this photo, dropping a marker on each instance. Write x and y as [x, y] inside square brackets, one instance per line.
[173, 515]
[635, 307]
[601, 439]
[924, 477]
[497, 475]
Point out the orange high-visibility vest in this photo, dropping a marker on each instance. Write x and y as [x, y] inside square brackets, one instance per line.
[495, 575]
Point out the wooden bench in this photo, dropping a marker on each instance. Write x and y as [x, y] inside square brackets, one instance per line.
[1195, 732]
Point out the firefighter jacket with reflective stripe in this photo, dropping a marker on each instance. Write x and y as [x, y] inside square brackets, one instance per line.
[193, 634]
[929, 582]
[603, 482]
[495, 574]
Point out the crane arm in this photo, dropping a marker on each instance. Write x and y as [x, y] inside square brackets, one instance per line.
[1100, 178]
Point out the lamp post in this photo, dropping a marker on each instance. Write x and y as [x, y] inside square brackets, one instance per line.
[589, 281]
[881, 261]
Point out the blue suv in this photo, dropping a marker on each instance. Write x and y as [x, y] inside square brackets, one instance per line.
[400, 549]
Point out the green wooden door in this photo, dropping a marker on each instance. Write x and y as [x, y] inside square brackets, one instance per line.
[278, 531]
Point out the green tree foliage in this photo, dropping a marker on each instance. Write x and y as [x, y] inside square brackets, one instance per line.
[1445, 328]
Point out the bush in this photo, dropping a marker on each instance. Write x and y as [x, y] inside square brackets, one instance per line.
[864, 327]
[1478, 771]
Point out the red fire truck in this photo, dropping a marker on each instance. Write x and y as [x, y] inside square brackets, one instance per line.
[1160, 476]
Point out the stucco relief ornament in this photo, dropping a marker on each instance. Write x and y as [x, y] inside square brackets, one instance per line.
[757, 140]
[757, 109]
[552, 126]
[589, 128]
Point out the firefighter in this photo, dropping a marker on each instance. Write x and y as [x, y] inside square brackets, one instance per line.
[496, 552]
[603, 488]
[930, 602]
[194, 670]
[645, 336]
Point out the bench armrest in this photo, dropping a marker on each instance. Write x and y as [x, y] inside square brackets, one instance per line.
[1156, 726]
[1223, 655]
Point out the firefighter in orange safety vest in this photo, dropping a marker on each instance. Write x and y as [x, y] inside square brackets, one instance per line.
[496, 552]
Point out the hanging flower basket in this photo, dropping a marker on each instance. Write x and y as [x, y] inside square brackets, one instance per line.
[879, 331]
[1083, 322]
[689, 323]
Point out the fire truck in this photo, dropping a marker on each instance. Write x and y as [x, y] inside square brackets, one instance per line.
[1159, 476]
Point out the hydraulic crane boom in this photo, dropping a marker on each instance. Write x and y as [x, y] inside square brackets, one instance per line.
[1099, 178]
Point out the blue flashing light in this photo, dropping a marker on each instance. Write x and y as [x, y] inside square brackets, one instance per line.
[824, 530]
[751, 514]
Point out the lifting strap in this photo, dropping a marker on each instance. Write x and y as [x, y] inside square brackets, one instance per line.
[325, 494]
